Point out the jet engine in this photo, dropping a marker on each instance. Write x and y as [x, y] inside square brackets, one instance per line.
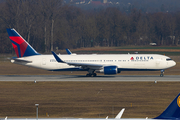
[109, 70]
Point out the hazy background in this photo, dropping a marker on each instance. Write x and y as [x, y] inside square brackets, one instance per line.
[56, 24]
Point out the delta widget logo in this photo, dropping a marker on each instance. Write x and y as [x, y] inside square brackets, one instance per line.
[132, 58]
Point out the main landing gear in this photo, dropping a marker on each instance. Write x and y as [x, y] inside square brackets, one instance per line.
[91, 73]
[162, 73]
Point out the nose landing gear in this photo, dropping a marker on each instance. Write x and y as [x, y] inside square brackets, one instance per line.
[162, 73]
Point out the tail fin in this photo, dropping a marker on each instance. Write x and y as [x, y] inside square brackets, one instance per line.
[21, 47]
[172, 111]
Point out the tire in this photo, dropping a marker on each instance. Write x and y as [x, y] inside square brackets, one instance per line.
[161, 75]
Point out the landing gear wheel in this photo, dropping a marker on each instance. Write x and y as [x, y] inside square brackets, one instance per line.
[161, 75]
[88, 75]
[91, 73]
[94, 74]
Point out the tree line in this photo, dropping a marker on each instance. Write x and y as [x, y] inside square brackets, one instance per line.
[50, 25]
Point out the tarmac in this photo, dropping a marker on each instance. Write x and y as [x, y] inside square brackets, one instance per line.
[81, 78]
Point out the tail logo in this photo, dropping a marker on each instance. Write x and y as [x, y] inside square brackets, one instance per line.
[21, 47]
[178, 101]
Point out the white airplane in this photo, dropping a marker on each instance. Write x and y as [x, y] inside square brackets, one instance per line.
[108, 64]
[172, 112]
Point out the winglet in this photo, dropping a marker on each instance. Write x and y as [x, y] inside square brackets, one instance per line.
[120, 114]
[57, 58]
[68, 51]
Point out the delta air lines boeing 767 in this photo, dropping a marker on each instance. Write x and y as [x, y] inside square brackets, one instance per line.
[108, 64]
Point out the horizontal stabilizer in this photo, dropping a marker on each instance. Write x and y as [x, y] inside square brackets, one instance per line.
[20, 61]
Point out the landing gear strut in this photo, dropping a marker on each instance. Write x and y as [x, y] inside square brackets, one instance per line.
[91, 73]
[162, 73]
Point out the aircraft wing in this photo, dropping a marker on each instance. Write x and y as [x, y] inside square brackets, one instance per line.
[86, 65]
[82, 65]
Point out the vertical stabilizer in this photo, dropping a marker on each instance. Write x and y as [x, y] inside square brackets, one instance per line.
[21, 47]
[172, 111]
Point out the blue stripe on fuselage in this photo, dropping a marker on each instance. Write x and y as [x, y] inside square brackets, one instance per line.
[132, 69]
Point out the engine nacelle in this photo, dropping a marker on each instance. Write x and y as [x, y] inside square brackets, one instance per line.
[109, 70]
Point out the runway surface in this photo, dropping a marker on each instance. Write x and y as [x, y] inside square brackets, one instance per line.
[79, 78]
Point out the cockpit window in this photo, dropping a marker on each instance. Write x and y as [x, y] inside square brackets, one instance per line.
[168, 59]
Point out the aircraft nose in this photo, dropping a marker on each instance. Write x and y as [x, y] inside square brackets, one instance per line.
[171, 63]
[174, 63]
